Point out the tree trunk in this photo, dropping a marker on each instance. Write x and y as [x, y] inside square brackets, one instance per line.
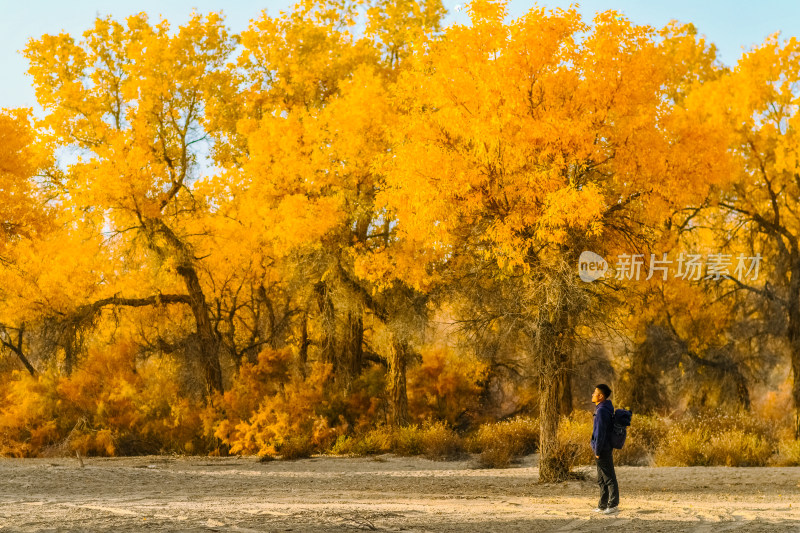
[742, 391]
[304, 342]
[794, 344]
[566, 393]
[209, 344]
[553, 366]
[352, 355]
[328, 316]
[796, 387]
[397, 384]
[69, 353]
[552, 467]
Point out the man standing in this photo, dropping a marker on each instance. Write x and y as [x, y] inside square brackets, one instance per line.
[603, 452]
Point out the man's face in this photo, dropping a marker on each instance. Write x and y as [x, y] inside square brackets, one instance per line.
[597, 396]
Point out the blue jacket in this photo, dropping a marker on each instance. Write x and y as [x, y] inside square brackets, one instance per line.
[601, 434]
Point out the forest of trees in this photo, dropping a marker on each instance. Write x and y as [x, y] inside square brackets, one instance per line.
[350, 216]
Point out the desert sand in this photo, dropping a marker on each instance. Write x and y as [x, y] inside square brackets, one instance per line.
[384, 493]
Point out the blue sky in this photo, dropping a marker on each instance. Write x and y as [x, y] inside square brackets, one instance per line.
[732, 25]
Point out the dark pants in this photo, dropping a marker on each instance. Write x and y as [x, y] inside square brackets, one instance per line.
[607, 479]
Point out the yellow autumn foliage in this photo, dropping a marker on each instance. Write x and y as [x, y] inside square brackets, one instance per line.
[222, 243]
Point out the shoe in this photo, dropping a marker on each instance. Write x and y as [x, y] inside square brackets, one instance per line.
[598, 510]
[611, 510]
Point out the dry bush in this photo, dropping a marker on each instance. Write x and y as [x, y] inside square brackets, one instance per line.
[645, 435]
[520, 435]
[788, 451]
[408, 441]
[299, 447]
[737, 448]
[342, 446]
[434, 440]
[441, 443]
[682, 447]
[498, 456]
[705, 447]
[373, 442]
[287, 403]
[574, 440]
[715, 439]
[502, 442]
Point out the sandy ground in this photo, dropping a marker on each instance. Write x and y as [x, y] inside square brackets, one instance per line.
[386, 493]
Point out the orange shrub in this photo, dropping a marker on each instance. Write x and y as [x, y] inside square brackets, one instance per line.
[270, 405]
[110, 405]
[444, 385]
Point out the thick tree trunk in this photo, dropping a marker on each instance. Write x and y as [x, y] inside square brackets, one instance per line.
[553, 367]
[551, 466]
[209, 343]
[397, 384]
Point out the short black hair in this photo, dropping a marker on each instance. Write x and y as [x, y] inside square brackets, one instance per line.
[605, 389]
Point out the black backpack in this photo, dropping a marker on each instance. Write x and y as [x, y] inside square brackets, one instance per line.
[619, 429]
